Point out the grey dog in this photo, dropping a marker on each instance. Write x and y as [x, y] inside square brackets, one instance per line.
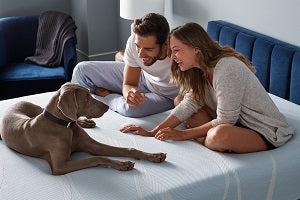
[54, 132]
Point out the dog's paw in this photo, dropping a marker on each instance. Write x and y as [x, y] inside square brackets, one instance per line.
[125, 166]
[157, 157]
[86, 123]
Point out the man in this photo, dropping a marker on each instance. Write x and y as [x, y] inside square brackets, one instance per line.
[142, 86]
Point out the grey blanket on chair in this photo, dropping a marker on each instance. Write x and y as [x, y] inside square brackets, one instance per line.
[54, 29]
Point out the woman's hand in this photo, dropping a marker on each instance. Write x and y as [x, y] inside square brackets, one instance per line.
[170, 134]
[136, 130]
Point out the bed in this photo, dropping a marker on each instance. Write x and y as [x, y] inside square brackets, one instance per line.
[190, 171]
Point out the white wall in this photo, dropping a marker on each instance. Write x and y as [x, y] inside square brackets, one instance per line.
[276, 18]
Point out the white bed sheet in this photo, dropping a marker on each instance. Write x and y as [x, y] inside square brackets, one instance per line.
[189, 172]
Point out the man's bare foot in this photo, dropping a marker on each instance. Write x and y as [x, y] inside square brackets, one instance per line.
[102, 92]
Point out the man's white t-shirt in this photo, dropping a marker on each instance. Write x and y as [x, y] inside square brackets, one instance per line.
[157, 75]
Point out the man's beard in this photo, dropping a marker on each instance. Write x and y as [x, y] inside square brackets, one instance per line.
[154, 59]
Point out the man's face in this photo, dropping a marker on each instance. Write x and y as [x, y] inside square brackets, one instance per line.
[147, 48]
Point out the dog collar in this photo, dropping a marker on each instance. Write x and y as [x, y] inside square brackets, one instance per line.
[58, 120]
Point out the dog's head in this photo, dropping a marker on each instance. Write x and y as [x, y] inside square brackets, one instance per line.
[75, 101]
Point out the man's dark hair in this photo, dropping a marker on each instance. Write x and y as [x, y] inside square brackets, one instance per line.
[152, 24]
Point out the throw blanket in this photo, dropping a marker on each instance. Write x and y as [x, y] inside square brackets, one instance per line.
[54, 29]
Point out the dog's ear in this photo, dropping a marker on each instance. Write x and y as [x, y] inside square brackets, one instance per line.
[67, 104]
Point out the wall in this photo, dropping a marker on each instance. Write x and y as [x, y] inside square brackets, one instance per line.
[31, 7]
[102, 28]
[76, 10]
[276, 18]
[97, 33]
[97, 22]
[101, 31]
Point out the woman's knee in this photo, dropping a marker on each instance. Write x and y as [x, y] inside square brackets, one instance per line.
[218, 138]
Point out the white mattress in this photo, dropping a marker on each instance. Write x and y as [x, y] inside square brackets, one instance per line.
[189, 172]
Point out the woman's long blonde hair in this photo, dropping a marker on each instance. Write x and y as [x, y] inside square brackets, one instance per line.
[210, 52]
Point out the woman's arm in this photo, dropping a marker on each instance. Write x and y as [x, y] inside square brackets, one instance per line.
[192, 133]
[165, 130]
[170, 121]
[230, 80]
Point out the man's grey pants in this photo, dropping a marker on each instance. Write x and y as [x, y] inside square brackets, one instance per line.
[109, 75]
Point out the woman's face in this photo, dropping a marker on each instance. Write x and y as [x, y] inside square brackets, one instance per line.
[185, 56]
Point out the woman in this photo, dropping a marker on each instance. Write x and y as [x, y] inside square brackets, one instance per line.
[224, 104]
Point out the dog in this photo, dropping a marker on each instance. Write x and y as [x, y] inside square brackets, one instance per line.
[55, 132]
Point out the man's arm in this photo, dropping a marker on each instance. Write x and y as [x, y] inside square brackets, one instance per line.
[130, 86]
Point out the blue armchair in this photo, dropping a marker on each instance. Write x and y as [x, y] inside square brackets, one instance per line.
[18, 41]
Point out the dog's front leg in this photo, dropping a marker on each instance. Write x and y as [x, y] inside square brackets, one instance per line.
[89, 145]
[59, 168]
[97, 148]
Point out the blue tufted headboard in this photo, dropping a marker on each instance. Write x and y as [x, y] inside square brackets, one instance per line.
[277, 63]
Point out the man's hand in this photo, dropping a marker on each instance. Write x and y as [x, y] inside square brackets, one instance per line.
[134, 97]
[130, 91]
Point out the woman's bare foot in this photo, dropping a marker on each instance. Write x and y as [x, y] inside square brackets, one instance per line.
[102, 92]
[197, 119]
[200, 140]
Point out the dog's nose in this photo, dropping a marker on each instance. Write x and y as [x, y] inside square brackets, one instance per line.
[103, 107]
[106, 108]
